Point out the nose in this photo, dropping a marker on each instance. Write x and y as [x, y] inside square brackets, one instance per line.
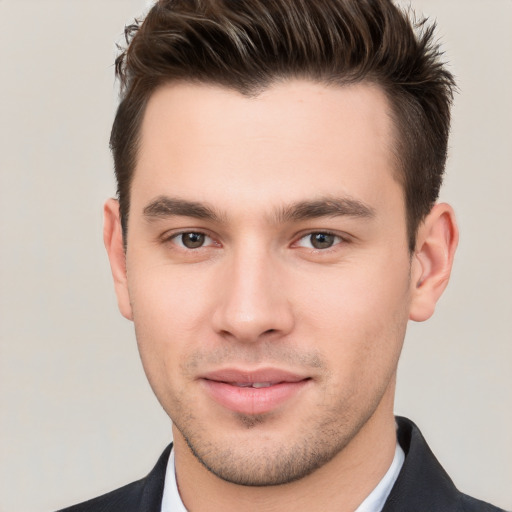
[252, 302]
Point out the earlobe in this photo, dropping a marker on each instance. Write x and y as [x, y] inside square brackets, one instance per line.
[432, 262]
[113, 239]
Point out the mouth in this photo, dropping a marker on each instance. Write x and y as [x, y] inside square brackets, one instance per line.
[254, 384]
[253, 392]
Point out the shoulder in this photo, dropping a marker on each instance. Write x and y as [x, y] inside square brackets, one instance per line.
[124, 499]
[423, 485]
[142, 495]
[469, 504]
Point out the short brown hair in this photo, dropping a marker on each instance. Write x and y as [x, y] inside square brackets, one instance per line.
[247, 45]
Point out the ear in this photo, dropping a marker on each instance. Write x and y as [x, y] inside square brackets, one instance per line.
[436, 242]
[113, 239]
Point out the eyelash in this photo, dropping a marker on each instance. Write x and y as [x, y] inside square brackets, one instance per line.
[339, 239]
[174, 236]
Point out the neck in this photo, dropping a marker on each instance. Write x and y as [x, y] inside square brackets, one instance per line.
[340, 485]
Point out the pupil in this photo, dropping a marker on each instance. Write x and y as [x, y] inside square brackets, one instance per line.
[193, 240]
[322, 240]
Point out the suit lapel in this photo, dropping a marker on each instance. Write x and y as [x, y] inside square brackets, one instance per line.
[422, 485]
[152, 491]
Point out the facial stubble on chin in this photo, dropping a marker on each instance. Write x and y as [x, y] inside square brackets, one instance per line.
[269, 463]
[268, 460]
[273, 467]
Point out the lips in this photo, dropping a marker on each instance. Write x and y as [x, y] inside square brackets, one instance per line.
[253, 392]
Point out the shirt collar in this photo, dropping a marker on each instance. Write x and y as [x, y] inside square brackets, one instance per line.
[375, 501]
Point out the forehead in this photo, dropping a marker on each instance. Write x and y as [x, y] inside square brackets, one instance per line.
[295, 137]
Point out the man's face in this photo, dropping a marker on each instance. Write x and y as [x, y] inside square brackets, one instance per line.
[268, 272]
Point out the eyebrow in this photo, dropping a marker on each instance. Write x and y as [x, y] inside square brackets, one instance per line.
[325, 207]
[164, 206]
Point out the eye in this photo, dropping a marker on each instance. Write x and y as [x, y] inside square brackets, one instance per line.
[319, 240]
[192, 240]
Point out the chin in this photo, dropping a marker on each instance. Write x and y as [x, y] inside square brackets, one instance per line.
[258, 457]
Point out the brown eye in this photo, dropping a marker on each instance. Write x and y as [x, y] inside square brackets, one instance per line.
[322, 240]
[319, 240]
[192, 240]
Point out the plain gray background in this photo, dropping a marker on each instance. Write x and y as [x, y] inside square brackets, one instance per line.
[77, 415]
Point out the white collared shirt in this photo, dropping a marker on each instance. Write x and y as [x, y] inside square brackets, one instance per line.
[374, 502]
[171, 500]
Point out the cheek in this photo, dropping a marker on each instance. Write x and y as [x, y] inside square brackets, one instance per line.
[167, 298]
[357, 313]
[169, 308]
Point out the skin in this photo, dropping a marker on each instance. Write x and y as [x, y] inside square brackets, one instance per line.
[262, 174]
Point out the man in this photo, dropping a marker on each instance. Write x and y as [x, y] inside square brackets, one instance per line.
[278, 165]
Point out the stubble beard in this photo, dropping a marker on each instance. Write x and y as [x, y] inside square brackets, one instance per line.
[269, 450]
[267, 461]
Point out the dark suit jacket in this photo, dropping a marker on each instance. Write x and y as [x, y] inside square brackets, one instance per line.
[422, 485]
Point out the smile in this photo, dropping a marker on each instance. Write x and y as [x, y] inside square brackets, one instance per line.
[253, 393]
